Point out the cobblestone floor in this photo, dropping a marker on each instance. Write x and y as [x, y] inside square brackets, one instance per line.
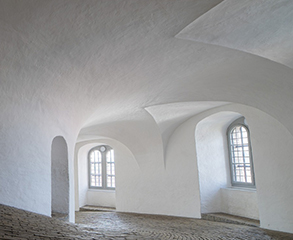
[164, 227]
[17, 224]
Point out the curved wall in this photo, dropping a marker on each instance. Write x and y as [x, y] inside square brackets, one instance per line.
[212, 156]
[27, 132]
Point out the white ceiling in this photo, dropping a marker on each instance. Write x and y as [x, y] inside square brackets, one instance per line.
[260, 27]
[101, 61]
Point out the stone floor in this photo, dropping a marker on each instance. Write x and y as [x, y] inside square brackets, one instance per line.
[17, 224]
[163, 227]
[227, 218]
[97, 208]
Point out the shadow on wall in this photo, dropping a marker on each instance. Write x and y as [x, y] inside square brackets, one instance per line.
[59, 178]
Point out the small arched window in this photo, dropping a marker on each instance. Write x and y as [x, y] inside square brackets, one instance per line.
[101, 167]
[241, 164]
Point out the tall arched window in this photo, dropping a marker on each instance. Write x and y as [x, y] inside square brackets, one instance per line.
[101, 167]
[241, 164]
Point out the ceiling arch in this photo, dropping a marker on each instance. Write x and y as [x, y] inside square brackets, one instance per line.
[262, 28]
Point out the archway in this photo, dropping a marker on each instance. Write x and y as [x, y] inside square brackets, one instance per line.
[91, 195]
[126, 169]
[59, 178]
[214, 174]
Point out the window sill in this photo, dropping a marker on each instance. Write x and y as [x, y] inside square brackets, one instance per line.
[101, 190]
[244, 189]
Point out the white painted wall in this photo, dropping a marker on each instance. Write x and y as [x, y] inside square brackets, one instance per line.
[240, 202]
[144, 183]
[106, 198]
[271, 159]
[182, 186]
[266, 149]
[272, 151]
[174, 190]
[214, 170]
[212, 159]
[82, 171]
[25, 159]
[27, 131]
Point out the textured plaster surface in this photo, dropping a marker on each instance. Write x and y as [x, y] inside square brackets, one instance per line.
[260, 27]
[169, 116]
[212, 156]
[240, 202]
[216, 192]
[259, 123]
[102, 198]
[90, 70]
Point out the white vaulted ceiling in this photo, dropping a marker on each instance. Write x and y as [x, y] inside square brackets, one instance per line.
[262, 27]
[98, 62]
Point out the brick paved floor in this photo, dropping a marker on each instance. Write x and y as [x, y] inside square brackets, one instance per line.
[164, 227]
[17, 224]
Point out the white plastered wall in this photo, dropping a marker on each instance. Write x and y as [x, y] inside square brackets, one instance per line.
[240, 202]
[175, 188]
[144, 183]
[216, 192]
[273, 182]
[198, 143]
[25, 157]
[272, 152]
[30, 163]
[211, 150]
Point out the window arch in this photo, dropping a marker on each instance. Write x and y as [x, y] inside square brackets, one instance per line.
[241, 164]
[101, 167]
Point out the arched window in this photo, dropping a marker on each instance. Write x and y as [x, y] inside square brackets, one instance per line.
[101, 167]
[241, 164]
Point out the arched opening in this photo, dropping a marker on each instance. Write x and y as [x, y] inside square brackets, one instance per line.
[126, 170]
[92, 174]
[59, 179]
[240, 154]
[216, 191]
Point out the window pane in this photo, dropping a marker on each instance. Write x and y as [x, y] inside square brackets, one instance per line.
[240, 155]
[101, 167]
[110, 156]
[95, 156]
[110, 169]
[95, 168]
[96, 181]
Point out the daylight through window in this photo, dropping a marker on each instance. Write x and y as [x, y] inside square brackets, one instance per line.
[240, 156]
[102, 167]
